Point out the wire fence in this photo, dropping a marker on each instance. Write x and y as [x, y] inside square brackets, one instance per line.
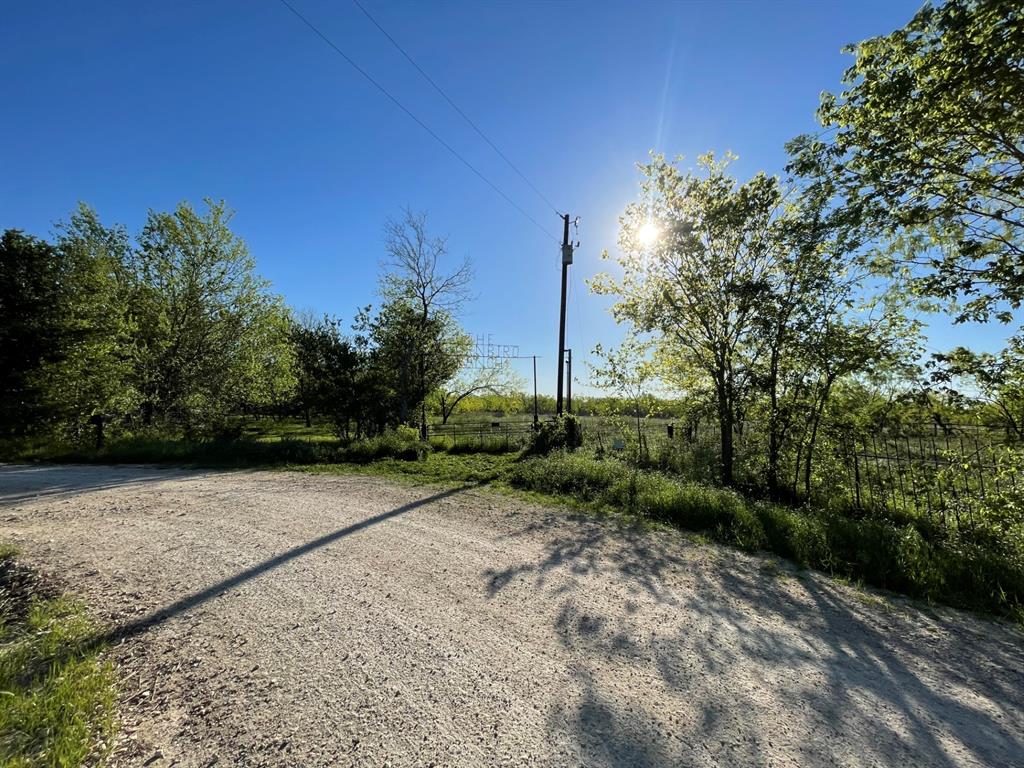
[482, 435]
[944, 473]
[938, 474]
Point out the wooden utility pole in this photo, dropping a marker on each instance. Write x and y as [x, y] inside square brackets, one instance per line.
[536, 415]
[568, 381]
[566, 261]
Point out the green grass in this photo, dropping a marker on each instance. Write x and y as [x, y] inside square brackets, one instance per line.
[56, 694]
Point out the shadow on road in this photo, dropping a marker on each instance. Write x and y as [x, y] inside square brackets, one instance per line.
[20, 483]
[755, 653]
[188, 602]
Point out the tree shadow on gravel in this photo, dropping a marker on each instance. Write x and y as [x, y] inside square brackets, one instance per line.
[765, 662]
[39, 481]
[637, 558]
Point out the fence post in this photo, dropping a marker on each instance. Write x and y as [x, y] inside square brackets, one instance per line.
[856, 474]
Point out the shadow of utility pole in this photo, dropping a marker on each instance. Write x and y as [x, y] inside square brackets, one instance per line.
[138, 626]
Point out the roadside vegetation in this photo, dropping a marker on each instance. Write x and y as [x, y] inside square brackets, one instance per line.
[56, 693]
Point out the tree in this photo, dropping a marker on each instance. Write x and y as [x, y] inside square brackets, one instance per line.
[416, 281]
[203, 314]
[485, 377]
[333, 375]
[995, 379]
[30, 328]
[411, 356]
[65, 346]
[628, 373]
[819, 317]
[91, 382]
[928, 137]
[697, 284]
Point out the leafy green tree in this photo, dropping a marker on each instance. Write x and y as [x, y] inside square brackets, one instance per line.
[31, 334]
[203, 313]
[332, 375]
[628, 373]
[68, 349]
[697, 285]
[412, 357]
[92, 380]
[928, 137]
[995, 379]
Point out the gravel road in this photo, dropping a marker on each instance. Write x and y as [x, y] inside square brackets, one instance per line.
[284, 619]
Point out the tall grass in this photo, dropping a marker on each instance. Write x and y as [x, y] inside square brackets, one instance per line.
[244, 452]
[56, 694]
[923, 561]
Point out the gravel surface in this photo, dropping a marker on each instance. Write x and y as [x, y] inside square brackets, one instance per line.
[284, 619]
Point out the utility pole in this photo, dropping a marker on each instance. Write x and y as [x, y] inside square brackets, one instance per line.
[536, 417]
[566, 261]
[568, 381]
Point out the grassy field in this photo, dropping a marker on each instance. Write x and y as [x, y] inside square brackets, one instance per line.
[56, 693]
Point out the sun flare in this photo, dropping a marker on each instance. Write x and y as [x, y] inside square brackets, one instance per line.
[649, 233]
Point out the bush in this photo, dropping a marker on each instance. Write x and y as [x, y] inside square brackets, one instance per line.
[561, 432]
[402, 444]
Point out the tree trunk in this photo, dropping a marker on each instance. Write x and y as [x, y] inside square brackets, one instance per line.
[815, 420]
[725, 424]
[774, 441]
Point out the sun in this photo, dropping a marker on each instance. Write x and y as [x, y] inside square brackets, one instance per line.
[649, 233]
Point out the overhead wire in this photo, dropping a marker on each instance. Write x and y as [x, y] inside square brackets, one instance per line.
[455, 106]
[416, 119]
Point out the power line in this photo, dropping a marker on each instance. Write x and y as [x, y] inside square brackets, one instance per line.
[407, 111]
[455, 106]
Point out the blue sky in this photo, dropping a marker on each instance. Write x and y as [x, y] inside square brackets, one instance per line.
[130, 106]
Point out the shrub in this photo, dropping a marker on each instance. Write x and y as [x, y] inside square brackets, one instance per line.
[561, 432]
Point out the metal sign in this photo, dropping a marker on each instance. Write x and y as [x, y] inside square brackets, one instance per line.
[487, 351]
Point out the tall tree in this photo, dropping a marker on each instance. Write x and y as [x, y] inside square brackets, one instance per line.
[31, 334]
[411, 357]
[697, 284]
[202, 310]
[92, 380]
[928, 137]
[416, 279]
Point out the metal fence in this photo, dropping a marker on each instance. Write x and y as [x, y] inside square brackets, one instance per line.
[926, 472]
[943, 473]
[487, 436]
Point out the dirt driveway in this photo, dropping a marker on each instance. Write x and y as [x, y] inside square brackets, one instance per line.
[292, 620]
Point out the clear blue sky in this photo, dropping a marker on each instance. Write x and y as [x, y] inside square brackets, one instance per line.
[130, 106]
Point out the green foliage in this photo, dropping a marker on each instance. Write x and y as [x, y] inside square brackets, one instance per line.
[628, 373]
[750, 302]
[57, 706]
[997, 379]
[402, 444]
[30, 331]
[561, 432]
[927, 138]
[209, 330]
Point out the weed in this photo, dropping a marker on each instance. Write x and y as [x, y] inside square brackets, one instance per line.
[57, 694]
